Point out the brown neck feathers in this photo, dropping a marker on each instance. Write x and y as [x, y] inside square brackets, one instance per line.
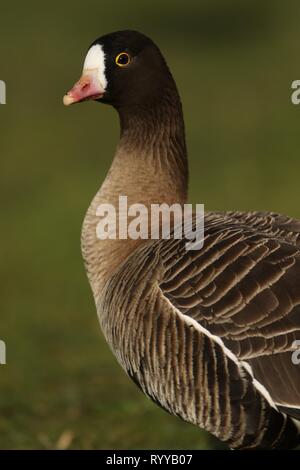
[149, 167]
[155, 131]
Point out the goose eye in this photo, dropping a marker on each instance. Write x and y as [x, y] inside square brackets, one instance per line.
[123, 59]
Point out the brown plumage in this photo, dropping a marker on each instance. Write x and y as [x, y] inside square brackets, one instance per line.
[207, 334]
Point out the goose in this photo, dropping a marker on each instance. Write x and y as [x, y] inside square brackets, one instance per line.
[208, 334]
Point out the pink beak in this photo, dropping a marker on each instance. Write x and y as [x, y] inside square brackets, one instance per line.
[87, 88]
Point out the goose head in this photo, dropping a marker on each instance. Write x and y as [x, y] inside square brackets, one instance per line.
[124, 69]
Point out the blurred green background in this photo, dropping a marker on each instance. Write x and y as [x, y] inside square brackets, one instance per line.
[234, 62]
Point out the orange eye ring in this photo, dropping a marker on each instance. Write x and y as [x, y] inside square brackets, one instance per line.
[123, 59]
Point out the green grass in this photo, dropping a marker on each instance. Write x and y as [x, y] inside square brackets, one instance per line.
[234, 63]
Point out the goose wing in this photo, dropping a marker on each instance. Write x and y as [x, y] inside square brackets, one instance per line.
[202, 332]
[271, 223]
[243, 287]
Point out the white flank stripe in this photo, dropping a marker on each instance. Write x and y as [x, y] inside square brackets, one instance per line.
[241, 364]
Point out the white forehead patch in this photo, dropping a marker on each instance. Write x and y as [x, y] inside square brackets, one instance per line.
[95, 60]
